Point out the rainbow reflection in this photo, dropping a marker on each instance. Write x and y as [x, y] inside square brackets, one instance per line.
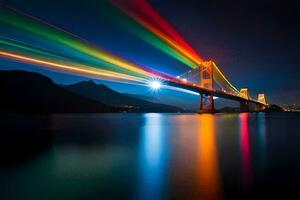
[210, 186]
[262, 140]
[245, 149]
[152, 160]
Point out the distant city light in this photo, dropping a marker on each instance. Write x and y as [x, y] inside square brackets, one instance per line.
[155, 85]
[184, 80]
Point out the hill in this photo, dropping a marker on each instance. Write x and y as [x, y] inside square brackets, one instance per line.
[28, 92]
[102, 93]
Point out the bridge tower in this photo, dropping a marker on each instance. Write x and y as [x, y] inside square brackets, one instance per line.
[206, 81]
[261, 98]
[245, 93]
[244, 105]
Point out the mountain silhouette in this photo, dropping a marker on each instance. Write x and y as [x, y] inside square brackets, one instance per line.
[106, 95]
[29, 92]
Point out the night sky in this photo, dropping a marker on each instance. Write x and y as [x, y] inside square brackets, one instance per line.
[255, 43]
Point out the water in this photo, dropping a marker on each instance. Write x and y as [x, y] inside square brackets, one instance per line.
[150, 156]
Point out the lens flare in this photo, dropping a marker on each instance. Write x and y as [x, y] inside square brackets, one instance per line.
[155, 85]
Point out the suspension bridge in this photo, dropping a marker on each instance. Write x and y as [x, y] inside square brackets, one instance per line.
[84, 58]
[201, 80]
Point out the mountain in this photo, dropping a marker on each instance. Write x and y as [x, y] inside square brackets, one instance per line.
[104, 94]
[151, 99]
[34, 93]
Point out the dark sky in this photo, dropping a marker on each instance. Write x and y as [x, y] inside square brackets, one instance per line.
[255, 43]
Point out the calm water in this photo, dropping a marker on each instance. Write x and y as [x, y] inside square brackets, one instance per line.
[150, 156]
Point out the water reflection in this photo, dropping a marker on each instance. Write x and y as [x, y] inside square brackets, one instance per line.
[152, 159]
[209, 175]
[151, 156]
[261, 131]
[245, 149]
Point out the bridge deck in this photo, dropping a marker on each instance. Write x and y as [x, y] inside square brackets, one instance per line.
[200, 90]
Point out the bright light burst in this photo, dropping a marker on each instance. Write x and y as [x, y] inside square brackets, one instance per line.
[155, 83]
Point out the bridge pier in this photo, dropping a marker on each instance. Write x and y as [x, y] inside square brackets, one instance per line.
[206, 103]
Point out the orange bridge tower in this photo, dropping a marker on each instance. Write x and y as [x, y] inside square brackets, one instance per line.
[206, 81]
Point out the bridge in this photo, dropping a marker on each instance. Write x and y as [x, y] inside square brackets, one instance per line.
[86, 59]
[201, 81]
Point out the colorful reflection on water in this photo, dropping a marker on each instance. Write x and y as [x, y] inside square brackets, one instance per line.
[208, 164]
[261, 119]
[262, 139]
[194, 155]
[245, 149]
[152, 157]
